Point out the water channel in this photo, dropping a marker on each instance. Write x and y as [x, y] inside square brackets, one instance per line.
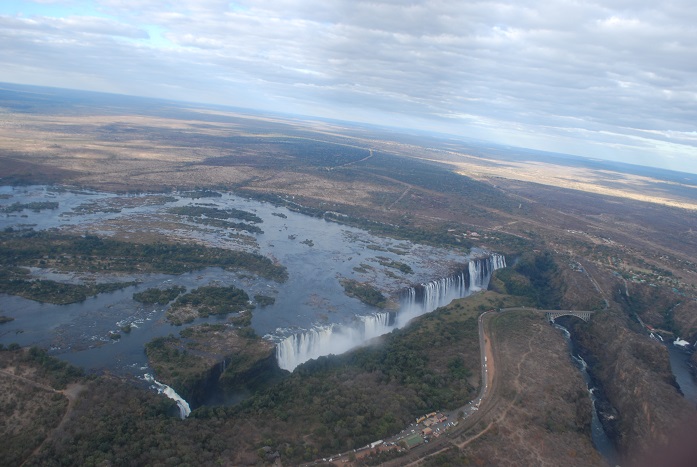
[680, 364]
[601, 441]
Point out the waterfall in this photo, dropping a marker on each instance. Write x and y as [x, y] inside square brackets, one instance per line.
[331, 339]
[415, 301]
[184, 409]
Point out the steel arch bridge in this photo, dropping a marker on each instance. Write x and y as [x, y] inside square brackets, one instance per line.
[554, 314]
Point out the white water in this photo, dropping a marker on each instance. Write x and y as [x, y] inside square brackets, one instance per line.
[680, 342]
[184, 409]
[657, 337]
[336, 338]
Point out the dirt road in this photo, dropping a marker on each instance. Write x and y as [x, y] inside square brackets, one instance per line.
[71, 392]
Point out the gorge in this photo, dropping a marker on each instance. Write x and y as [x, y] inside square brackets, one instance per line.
[414, 301]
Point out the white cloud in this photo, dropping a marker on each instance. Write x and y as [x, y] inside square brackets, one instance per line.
[558, 71]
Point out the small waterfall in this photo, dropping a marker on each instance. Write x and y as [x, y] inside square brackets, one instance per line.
[415, 301]
[184, 409]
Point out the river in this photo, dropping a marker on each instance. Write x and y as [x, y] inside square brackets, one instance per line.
[680, 365]
[601, 441]
[316, 252]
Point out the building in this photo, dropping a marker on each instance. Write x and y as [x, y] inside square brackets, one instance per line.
[413, 440]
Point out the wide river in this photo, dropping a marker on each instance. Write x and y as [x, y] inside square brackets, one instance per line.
[317, 253]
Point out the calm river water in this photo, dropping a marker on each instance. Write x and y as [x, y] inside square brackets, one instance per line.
[316, 252]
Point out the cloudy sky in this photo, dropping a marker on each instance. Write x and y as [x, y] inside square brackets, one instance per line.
[611, 79]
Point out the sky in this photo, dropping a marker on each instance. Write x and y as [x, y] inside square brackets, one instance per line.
[610, 79]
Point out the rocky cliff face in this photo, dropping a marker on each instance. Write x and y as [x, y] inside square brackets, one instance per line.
[212, 362]
[635, 374]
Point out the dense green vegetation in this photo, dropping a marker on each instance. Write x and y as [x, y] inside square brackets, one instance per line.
[91, 208]
[201, 193]
[92, 253]
[175, 365]
[325, 406]
[533, 276]
[403, 267]
[364, 292]
[117, 423]
[58, 372]
[54, 372]
[211, 300]
[29, 408]
[158, 296]
[192, 363]
[228, 225]
[363, 268]
[397, 251]
[350, 400]
[264, 300]
[16, 282]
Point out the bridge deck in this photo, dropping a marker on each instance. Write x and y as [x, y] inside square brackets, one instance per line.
[551, 315]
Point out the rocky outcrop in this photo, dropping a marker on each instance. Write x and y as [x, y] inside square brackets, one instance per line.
[213, 363]
[634, 372]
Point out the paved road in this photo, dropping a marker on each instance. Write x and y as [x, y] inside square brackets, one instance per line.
[473, 412]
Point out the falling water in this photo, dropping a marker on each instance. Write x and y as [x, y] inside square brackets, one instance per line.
[184, 409]
[415, 301]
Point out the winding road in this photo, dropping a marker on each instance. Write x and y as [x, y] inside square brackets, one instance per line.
[486, 408]
[473, 413]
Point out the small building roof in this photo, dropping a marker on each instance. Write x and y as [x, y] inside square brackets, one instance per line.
[413, 440]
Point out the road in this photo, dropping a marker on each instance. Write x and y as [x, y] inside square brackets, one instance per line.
[71, 392]
[474, 419]
[478, 417]
[473, 413]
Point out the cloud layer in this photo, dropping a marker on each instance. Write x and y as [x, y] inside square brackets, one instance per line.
[614, 79]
